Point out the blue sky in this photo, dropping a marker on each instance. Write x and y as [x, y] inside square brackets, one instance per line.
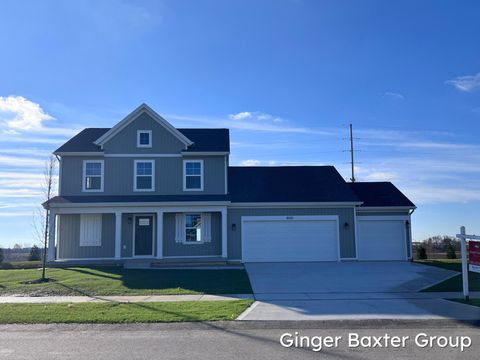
[286, 76]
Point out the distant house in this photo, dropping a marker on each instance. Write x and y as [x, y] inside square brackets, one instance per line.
[144, 189]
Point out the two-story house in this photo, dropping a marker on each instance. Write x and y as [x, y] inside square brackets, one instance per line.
[144, 189]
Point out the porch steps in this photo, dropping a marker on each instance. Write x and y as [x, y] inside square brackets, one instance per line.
[177, 264]
[219, 264]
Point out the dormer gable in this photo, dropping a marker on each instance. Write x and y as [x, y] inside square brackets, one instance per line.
[142, 112]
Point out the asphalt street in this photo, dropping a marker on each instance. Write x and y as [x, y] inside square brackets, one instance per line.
[235, 340]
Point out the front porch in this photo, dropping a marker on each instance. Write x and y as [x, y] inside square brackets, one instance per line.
[129, 234]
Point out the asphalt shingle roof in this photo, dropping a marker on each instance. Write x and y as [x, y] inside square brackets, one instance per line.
[288, 184]
[204, 140]
[380, 194]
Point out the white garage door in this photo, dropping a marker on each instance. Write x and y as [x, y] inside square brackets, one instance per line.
[289, 238]
[381, 239]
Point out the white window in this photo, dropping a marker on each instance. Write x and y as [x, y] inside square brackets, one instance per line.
[144, 175]
[90, 229]
[144, 138]
[193, 228]
[193, 175]
[93, 175]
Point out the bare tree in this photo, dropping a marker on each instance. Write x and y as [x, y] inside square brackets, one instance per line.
[41, 219]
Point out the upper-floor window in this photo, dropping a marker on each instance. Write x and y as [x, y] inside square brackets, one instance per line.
[144, 175]
[144, 138]
[192, 175]
[92, 175]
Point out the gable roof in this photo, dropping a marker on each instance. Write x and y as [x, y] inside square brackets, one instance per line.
[144, 108]
[288, 184]
[205, 140]
[84, 141]
[382, 194]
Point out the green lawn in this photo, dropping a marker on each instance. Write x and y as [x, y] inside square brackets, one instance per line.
[119, 281]
[122, 312]
[454, 283]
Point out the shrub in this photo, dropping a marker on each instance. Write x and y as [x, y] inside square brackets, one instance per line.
[1, 255]
[421, 253]
[451, 252]
[34, 254]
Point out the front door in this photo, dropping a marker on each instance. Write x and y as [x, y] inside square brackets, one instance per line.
[143, 235]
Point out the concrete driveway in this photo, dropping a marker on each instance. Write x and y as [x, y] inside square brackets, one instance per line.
[297, 280]
[351, 290]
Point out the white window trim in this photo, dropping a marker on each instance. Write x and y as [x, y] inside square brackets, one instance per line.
[84, 175]
[185, 242]
[149, 132]
[185, 175]
[135, 174]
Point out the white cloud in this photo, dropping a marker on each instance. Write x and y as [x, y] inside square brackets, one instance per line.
[19, 114]
[275, 126]
[466, 83]
[381, 176]
[240, 115]
[250, 162]
[255, 116]
[441, 194]
[27, 115]
[394, 95]
[21, 161]
[19, 193]
[15, 213]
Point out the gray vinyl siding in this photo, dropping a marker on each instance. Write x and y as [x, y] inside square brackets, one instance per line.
[127, 234]
[171, 248]
[125, 141]
[345, 215]
[118, 175]
[69, 238]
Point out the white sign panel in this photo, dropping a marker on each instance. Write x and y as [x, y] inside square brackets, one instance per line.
[144, 222]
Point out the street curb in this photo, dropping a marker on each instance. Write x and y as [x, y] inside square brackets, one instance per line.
[250, 325]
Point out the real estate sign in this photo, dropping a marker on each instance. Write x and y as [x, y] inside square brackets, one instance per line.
[474, 255]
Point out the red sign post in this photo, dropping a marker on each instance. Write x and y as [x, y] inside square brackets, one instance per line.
[474, 256]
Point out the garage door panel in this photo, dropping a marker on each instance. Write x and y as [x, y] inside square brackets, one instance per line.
[290, 240]
[381, 240]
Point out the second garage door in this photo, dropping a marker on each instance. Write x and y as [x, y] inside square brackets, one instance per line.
[289, 238]
[381, 239]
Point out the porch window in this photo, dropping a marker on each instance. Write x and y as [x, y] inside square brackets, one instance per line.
[193, 228]
[144, 177]
[193, 175]
[93, 175]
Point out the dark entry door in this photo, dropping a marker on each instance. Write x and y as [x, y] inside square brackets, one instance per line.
[143, 235]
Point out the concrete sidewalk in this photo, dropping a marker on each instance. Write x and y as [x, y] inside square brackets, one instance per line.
[123, 299]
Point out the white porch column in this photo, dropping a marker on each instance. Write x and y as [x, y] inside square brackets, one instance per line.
[118, 235]
[224, 233]
[159, 234]
[51, 236]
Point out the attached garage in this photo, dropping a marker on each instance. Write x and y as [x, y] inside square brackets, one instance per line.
[290, 238]
[382, 238]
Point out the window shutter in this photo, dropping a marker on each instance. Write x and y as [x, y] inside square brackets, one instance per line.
[179, 228]
[90, 229]
[207, 227]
